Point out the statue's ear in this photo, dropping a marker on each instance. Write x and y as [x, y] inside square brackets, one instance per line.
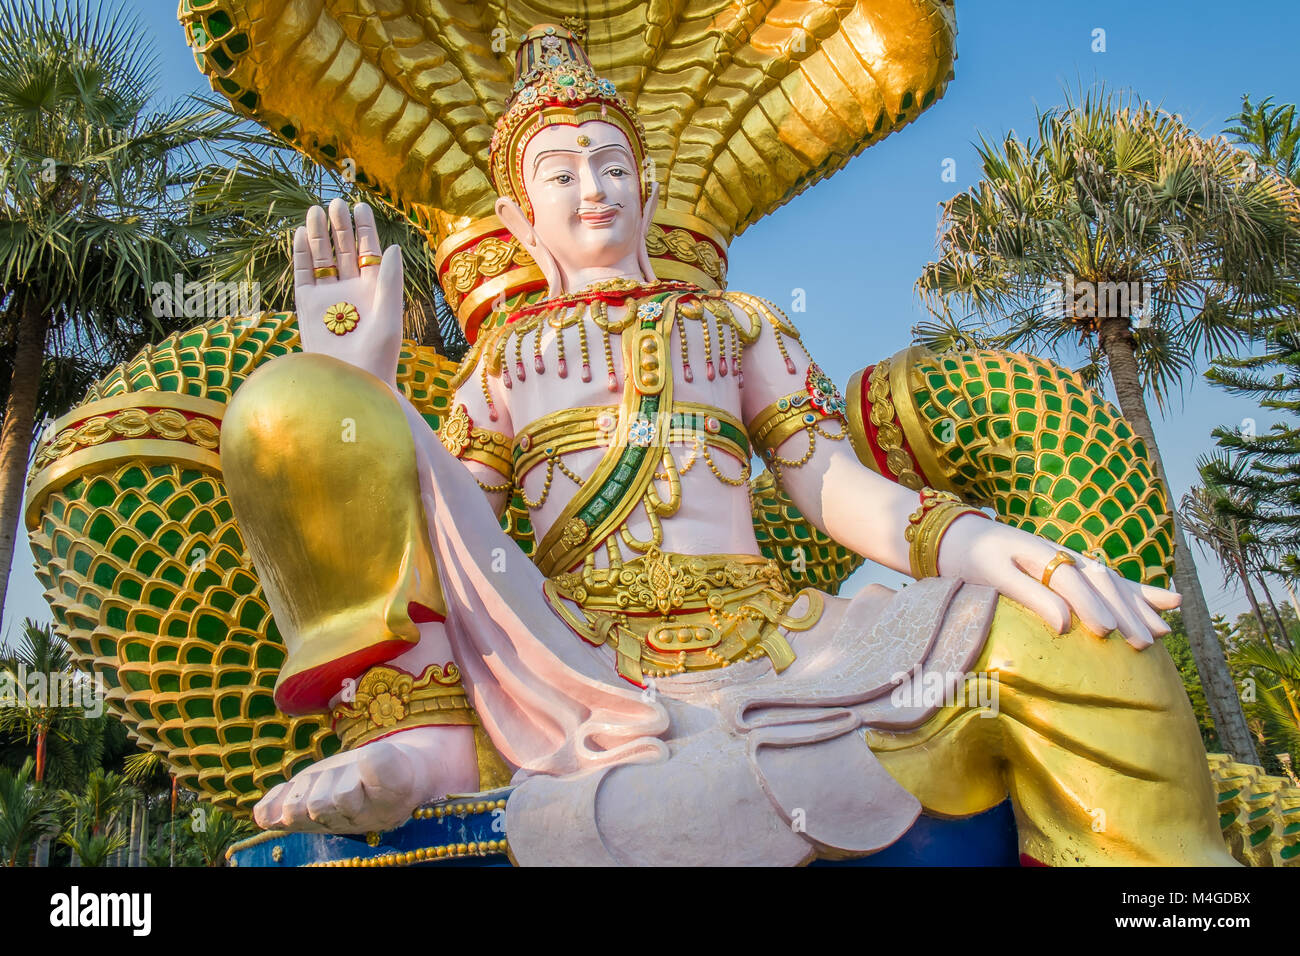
[513, 218]
[647, 215]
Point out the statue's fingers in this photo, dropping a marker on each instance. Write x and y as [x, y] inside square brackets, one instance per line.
[389, 289]
[302, 265]
[323, 801]
[384, 771]
[1156, 624]
[318, 800]
[1050, 607]
[1069, 582]
[350, 794]
[295, 801]
[1161, 598]
[1130, 625]
[318, 237]
[368, 248]
[345, 246]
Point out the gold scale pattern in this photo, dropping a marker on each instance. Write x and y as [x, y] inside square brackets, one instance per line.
[1259, 814]
[147, 574]
[1024, 436]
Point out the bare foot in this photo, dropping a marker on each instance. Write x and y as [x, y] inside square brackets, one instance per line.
[374, 787]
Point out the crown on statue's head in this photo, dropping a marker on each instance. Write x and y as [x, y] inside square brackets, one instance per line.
[555, 83]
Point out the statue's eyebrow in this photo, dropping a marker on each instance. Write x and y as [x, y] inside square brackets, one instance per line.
[542, 155]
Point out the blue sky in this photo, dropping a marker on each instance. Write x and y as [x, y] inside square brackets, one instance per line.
[857, 242]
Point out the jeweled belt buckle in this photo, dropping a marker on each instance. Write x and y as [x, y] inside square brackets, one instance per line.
[675, 638]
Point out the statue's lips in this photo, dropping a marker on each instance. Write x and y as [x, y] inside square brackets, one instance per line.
[602, 218]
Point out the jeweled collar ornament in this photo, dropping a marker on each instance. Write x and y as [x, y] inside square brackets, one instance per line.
[556, 84]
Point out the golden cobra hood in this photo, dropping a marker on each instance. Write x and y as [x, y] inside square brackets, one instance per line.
[745, 105]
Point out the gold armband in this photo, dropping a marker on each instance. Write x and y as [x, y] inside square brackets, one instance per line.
[387, 700]
[926, 527]
[462, 438]
[806, 409]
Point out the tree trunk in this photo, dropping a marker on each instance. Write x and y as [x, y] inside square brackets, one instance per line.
[172, 859]
[16, 433]
[1277, 616]
[1216, 680]
[42, 739]
[135, 828]
[1254, 602]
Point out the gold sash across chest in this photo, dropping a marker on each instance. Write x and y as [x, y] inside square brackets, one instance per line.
[624, 475]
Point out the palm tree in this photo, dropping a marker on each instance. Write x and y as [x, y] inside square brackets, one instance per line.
[97, 806]
[253, 199]
[149, 775]
[1269, 133]
[27, 812]
[1120, 230]
[91, 215]
[1272, 481]
[1278, 701]
[220, 830]
[94, 814]
[35, 717]
[1222, 519]
[93, 849]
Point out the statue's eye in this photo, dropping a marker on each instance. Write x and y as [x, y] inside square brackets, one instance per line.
[617, 171]
[563, 179]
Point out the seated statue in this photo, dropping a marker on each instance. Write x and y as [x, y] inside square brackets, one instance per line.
[648, 683]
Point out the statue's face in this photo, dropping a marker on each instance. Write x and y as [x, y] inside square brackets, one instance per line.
[585, 192]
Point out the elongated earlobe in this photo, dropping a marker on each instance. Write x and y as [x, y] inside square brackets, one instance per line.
[513, 218]
[647, 220]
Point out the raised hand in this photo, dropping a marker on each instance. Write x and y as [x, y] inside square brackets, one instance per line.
[1014, 562]
[349, 296]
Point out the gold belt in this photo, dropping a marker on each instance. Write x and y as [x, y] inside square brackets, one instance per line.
[595, 426]
[667, 613]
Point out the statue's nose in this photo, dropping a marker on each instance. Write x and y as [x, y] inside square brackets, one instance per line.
[592, 190]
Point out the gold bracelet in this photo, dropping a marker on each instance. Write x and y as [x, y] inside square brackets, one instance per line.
[926, 527]
[386, 700]
[468, 442]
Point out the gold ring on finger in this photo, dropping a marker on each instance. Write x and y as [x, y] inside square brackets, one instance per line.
[325, 272]
[1062, 557]
[342, 317]
[369, 260]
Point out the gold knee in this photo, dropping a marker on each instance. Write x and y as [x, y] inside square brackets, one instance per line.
[321, 471]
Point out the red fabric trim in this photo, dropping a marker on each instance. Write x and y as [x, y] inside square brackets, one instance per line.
[419, 614]
[310, 691]
[608, 296]
[1027, 860]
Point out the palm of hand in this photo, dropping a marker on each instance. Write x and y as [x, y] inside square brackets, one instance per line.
[374, 289]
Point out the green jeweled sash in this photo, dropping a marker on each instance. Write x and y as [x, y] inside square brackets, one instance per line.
[626, 470]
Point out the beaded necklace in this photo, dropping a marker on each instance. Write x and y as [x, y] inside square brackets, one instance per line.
[726, 335]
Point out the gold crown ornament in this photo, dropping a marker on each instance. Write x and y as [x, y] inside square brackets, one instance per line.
[556, 85]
